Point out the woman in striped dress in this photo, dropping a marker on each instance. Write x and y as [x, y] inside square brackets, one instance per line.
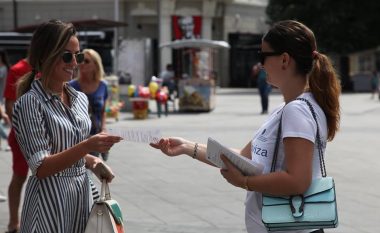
[52, 127]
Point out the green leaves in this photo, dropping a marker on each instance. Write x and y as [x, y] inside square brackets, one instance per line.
[341, 26]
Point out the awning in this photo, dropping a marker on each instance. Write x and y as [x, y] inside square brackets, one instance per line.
[88, 24]
[195, 43]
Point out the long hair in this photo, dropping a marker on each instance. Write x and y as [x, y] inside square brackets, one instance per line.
[299, 42]
[95, 57]
[46, 47]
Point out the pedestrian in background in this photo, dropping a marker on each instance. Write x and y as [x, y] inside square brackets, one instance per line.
[375, 85]
[4, 119]
[167, 77]
[91, 82]
[4, 67]
[3, 135]
[289, 56]
[19, 166]
[263, 86]
[52, 126]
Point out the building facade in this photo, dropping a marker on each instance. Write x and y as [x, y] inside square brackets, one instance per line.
[136, 47]
[363, 65]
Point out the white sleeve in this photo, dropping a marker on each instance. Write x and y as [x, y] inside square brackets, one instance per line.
[297, 121]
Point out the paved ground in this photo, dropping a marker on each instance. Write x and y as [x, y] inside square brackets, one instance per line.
[179, 195]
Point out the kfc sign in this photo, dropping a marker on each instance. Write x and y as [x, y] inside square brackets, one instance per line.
[186, 27]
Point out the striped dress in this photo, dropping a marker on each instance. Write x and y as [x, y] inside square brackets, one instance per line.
[44, 125]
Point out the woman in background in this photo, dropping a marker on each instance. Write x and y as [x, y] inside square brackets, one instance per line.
[4, 67]
[90, 81]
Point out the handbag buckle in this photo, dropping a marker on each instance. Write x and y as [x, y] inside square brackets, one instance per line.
[99, 212]
[297, 203]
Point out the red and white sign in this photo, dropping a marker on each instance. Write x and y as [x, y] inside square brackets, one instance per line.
[186, 27]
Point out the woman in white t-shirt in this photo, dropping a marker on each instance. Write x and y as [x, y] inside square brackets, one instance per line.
[290, 58]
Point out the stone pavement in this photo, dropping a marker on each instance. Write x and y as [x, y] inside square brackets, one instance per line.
[180, 195]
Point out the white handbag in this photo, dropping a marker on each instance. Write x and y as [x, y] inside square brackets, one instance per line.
[105, 216]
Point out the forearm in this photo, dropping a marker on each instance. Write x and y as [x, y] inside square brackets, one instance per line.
[8, 107]
[55, 163]
[198, 151]
[281, 183]
[104, 118]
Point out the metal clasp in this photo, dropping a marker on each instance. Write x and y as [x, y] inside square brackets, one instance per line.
[296, 205]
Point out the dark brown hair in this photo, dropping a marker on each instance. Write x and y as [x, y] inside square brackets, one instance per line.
[299, 42]
[47, 45]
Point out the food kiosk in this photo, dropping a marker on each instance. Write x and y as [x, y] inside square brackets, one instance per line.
[196, 86]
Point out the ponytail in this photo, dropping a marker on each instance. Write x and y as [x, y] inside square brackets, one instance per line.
[24, 83]
[299, 41]
[325, 86]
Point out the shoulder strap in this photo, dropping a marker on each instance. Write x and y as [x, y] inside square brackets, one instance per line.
[105, 193]
[318, 141]
[318, 138]
[277, 145]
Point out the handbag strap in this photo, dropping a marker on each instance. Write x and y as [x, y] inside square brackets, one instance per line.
[105, 193]
[318, 141]
[277, 145]
[318, 138]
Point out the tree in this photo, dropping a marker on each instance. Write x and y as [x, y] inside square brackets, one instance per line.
[340, 26]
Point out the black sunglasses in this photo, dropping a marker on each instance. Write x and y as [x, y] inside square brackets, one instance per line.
[264, 55]
[67, 57]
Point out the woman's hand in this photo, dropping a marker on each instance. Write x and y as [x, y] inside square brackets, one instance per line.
[99, 168]
[172, 146]
[231, 173]
[102, 142]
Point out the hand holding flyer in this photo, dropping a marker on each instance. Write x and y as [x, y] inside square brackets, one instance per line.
[246, 166]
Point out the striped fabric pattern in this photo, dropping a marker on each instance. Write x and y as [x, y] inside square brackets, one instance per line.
[44, 126]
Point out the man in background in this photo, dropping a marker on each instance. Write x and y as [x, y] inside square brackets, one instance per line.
[260, 75]
[167, 77]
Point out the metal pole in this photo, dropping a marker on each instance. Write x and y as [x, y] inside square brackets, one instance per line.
[159, 37]
[116, 39]
[15, 16]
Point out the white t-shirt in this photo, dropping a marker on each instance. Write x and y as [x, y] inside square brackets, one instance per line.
[297, 121]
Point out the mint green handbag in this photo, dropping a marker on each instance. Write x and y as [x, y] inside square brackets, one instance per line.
[314, 209]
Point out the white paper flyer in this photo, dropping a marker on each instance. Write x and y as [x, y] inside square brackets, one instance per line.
[137, 134]
[246, 166]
